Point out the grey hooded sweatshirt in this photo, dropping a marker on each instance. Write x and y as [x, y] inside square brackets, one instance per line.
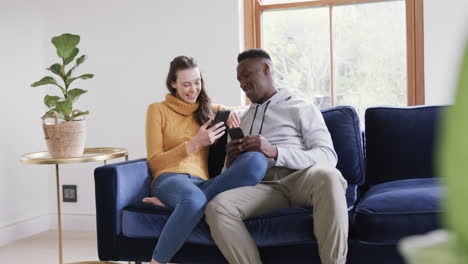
[295, 127]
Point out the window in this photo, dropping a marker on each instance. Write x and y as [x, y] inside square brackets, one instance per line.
[342, 52]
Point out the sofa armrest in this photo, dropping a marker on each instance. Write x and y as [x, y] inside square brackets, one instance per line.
[117, 186]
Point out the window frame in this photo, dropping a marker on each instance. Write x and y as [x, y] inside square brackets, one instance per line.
[414, 38]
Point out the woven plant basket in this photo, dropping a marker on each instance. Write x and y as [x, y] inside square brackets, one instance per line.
[65, 139]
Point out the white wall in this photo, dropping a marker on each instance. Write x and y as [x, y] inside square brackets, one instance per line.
[23, 188]
[445, 36]
[129, 46]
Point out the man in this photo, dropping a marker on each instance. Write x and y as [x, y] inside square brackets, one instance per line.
[302, 160]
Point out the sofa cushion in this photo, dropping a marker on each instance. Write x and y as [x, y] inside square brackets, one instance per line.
[400, 142]
[343, 124]
[266, 230]
[283, 227]
[393, 210]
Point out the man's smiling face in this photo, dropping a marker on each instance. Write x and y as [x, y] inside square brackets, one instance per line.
[253, 79]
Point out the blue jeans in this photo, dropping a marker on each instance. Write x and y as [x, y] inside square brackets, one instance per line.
[188, 195]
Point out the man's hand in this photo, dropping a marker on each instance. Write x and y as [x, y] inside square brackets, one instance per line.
[260, 144]
[232, 151]
[249, 143]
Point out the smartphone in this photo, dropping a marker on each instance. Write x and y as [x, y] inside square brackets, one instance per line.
[221, 116]
[236, 133]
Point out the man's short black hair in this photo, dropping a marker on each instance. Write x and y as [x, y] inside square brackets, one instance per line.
[253, 53]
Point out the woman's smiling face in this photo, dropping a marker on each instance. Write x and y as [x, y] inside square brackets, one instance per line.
[188, 85]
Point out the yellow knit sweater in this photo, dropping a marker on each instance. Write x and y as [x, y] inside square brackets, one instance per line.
[169, 126]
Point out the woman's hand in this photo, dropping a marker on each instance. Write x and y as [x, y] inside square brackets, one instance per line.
[233, 120]
[206, 136]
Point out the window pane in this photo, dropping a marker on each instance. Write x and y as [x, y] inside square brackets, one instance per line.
[370, 54]
[266, 2]
[299, 42]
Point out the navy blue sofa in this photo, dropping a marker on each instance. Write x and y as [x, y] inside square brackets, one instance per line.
[392, 194]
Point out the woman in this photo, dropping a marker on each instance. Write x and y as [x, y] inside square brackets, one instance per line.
[177, 138]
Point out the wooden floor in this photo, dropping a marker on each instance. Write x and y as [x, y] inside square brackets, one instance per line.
[43, 248]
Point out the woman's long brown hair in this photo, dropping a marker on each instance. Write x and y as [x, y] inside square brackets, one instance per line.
[204, 111]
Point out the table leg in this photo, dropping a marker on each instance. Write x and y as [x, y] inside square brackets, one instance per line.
[59, 218]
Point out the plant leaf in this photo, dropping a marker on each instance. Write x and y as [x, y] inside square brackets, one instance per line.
[44, 81]
[84, 77]
[60, 115]
[48, 80]
[64, 107]
[50, 101]
[78, 114]
[452, 164]
[74, 94]
[72, 56]
[57, 69]
[79, 61]
[65, 44]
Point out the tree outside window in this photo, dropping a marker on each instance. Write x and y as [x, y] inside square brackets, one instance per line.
[341, 54]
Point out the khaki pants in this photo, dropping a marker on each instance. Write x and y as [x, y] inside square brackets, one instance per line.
[320, 187]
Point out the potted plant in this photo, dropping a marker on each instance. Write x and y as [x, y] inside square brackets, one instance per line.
[66, 136]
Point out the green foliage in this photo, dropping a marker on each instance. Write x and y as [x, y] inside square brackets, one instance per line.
[57, 68]
[441, 246]
[78, 62]
[74, 94]
[65, 45]
[72, 56]
[67, 51]
[44, 81]
[51, 101]
[453, 165]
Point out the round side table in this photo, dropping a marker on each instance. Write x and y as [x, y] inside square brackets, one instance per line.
[89, 155]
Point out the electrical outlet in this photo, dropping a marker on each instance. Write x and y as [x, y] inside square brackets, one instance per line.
[69, 193]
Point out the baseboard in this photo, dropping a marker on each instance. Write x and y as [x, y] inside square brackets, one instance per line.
[24, 228]
[75, 222]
